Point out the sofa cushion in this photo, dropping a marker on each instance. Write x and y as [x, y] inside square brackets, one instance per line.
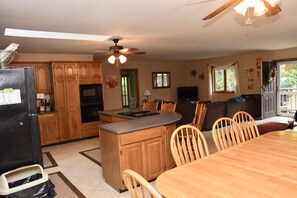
[232, 108]
[187, 110]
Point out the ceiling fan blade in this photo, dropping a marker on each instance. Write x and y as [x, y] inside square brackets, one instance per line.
[130, 53]
[220, 9]
[272, 10]
[127, 50]
[205, 1]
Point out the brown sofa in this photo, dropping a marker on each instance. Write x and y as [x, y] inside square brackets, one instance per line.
[216, 110]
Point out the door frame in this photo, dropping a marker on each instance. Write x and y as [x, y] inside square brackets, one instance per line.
[137, 85]
[280, 62]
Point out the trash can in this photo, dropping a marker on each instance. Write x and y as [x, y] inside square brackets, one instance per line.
[26, 181]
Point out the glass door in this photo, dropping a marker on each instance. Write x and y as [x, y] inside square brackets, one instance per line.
[287, 92]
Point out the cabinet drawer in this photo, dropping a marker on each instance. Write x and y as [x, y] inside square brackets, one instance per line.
[105, 118]
[142, 135]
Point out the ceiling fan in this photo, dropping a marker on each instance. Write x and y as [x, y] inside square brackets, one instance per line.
[261, 7]
[116, 53]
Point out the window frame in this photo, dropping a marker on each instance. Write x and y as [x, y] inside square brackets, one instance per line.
[224, 68]
[155, 80]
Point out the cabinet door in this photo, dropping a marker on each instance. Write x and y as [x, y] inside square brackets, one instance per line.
[58, 70]
[85, 70]
[73, 108]
[96, 70]
[61, 108]
[42, 78]
[153, 158]
[48, 125]
[70, 70]
[131, 157]
[168, 131]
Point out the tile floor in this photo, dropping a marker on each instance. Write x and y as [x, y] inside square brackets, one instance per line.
[87, 176]
[80, 171]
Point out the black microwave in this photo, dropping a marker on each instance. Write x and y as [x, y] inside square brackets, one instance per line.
[90, 91]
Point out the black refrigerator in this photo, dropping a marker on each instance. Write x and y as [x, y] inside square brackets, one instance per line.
[19, 130]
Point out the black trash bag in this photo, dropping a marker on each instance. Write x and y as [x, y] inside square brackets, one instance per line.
[42, 190]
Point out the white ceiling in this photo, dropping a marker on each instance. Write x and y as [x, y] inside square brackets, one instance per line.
[165, 29]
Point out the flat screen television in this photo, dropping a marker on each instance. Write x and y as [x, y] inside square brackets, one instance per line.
[189, 93]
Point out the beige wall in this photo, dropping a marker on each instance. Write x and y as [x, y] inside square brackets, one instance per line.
[180, 73]
[245, 61]
[112, 97]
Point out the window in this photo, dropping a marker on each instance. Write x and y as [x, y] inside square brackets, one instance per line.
[161, 80]
[224, 79]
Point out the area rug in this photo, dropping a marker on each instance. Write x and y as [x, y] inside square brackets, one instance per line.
[271, 126]
[48, 160]
[93, 154]
[63, 187]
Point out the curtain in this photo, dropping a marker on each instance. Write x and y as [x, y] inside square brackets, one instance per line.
[210, 95]
[237, 85]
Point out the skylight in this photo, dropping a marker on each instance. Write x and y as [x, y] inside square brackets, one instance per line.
[53, 35]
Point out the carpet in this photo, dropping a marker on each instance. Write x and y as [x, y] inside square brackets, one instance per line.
[63, 187]
[271, 126]
[94, 155]
[48, 160]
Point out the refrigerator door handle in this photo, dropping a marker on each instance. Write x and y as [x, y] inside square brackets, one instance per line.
[33, 114]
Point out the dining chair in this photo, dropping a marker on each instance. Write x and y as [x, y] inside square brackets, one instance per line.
[132, 179]
[168, 106]
[153, 106]
[226, 133]
[247, 124]
[199, 115]
[187, 143]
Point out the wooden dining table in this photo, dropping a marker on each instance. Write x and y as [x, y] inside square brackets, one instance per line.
[265, 166]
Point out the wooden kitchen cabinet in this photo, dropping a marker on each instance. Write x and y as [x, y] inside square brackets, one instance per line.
[141, 151]
[89, 129]
[67, 100]
[48, 126]
[42, 78]
[89, 73]
[41, 72]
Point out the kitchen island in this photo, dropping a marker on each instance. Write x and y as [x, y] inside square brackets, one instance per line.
[139, 141]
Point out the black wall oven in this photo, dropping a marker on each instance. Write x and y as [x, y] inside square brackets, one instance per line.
[91, 101]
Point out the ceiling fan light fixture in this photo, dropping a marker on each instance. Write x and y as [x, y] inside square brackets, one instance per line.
[260, 9]
[111, 59]
[242, 7]
[123, 59]
[273, 2]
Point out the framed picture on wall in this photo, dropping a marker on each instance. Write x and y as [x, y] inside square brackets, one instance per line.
[111, 81]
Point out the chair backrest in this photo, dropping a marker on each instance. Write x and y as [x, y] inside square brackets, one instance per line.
[153, 106]
[132, 179]
[199, 116]
[187, 143]
[226, 133]
[247, 124]
[168, 106]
